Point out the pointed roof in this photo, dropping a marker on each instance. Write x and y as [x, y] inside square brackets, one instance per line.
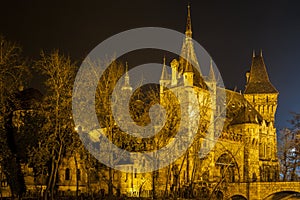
[188, 31]
[164, 72]
[239, 110]
[211, 75]
[187, 50]
[188, 67]
[259, 80]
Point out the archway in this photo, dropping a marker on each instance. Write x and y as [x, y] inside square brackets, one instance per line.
[227, 167]
[283, 195]
[238, 197]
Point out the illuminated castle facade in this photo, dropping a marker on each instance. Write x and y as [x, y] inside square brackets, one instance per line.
[246, 149]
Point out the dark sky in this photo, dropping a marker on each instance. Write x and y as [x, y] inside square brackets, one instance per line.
[228, 30]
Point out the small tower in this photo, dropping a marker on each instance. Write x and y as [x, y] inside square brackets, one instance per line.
[126, 86]
[188, 59]
[174, 66]
[212, 86]
[188, 53]
[259, 91]
[188, 75]
[211, 79]
[164, 79]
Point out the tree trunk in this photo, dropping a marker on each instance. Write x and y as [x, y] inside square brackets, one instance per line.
[167, 181]
[57, 161]
[153, 185]
[110, 184]
[77, 176]
[48, 188]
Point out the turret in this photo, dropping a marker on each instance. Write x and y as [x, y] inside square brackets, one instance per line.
[259, 90]
[188, 59]
[126, 85]
[174, 66]
[211, 79]
[164, 79]
[188, 75]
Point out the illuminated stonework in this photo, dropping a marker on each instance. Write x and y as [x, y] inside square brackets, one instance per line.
[243, 163]
[246, 151]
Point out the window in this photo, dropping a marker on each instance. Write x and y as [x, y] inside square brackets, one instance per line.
[78, 174]
[228, 167]
[67, 174]
[261, 150]
[4, 183]
[144, 163]
[269, 151]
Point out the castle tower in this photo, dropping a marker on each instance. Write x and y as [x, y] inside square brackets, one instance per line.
[174, 66]
[259, 91]
[126, 86]
[262, 95]
[187, 51]
[212, 85]
[188, 75]
[164, 78]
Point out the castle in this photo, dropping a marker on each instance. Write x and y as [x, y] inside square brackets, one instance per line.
[246, 149]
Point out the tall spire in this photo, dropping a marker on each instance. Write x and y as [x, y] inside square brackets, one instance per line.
[126, 75]
[188, 31]
[211, 75]
[164, 73]
[126, 81]
[187, 50]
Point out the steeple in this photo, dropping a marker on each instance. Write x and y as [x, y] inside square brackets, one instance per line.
[164, 78]
[211, 75]
[187, 50]
[164, 72]
[126, 75]
[188, 31]
[258, 79]
[126, 85]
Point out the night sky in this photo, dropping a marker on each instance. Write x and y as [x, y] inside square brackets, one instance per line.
[228, 30]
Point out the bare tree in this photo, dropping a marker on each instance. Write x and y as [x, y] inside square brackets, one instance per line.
[289, 150]
[13, 74]
[58, 130]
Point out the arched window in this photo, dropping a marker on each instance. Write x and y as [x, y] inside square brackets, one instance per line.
[227, 167]
[254, 177]
[261, 150]
[269, 151]
[67, 174]
[268, 174]
[78, 174]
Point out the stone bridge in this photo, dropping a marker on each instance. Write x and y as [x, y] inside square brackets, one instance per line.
[261, 190]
